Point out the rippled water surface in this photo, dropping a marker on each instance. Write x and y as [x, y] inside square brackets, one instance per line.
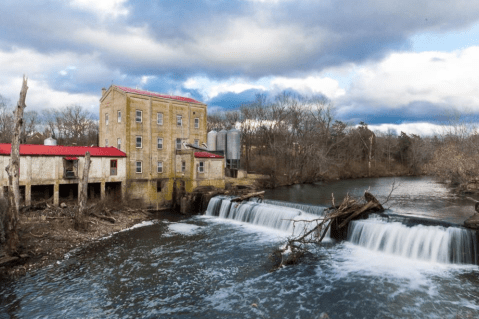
[208, 267]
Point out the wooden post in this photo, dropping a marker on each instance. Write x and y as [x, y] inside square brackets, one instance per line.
[13, 170]
[83, 191]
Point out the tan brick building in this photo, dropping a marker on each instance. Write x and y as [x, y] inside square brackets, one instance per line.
[152, 129]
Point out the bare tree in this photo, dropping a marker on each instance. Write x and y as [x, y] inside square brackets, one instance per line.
[13, 171]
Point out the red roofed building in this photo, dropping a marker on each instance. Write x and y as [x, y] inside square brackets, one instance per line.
[153, 129]
[55, 171]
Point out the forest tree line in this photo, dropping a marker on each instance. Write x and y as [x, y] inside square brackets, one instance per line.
[72, 125]
[296, 140]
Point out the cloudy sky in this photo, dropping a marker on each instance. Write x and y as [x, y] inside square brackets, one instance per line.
[392, 64]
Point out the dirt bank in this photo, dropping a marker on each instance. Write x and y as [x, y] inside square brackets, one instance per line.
[46, 235]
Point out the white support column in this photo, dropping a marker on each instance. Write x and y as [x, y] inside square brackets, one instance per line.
[28, 195]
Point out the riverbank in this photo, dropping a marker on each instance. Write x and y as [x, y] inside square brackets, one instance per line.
[46, 235]
[260, 181]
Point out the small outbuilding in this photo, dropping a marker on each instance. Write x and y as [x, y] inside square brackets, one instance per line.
[55, 171]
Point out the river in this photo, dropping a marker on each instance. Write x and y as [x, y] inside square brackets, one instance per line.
[212, 267]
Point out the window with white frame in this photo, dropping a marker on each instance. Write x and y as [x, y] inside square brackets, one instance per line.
[139, 142]
[160, 167]
[197, 143]
[118, 143]
[178, 143]
[179, 120]
[106, 119]
[119, 117]
[160, 143]
[201, 167]
[159, 118]
[138, 167]
[197, 122]
[139, 116]
[106, 143]
[183, 166]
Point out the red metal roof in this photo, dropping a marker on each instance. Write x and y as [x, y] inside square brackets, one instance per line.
[206, 155]
[166, 96]
[58, 150]
[71, 158]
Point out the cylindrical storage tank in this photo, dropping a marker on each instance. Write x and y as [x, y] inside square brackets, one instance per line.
[211, 140]
[221, 141]
[233, 141]
[50, 141]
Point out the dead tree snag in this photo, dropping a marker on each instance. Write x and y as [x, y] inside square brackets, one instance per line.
[13, 171]
[80, 215]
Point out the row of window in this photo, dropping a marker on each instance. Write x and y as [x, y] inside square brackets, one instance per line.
[139, 167]
[159, 143]
[159, 118]
[118, 143]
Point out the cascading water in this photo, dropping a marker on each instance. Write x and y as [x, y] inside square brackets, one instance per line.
[287, 219]
[428, 243]
[312, 209]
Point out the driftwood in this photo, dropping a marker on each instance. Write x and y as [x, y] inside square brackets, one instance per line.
[247, 196]
[107, 218]
[338, 217]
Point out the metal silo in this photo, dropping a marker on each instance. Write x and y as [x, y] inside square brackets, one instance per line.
[233, 145]
[211, 140]
[49, 141]
[221, 141]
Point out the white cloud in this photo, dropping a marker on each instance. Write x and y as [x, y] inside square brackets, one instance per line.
[448, 79]
[131, 43]
[39, 67]
[210, 88]
[103, 8]
[419, 128]
[308, 86]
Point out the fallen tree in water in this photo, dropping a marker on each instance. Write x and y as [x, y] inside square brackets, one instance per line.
[337, 219]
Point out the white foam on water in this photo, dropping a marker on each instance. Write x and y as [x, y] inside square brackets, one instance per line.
[142, 224]
[184, 229]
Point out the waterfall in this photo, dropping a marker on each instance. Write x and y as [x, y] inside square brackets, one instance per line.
[312, 209]
[429, 243]
[262, 214]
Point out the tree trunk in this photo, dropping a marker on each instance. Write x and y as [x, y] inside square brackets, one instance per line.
[83, 192]
[13, 171]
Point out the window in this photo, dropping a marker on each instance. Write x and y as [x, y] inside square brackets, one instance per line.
[160, 143]
[113, 167]
[138, 116]
[201, 167]
[106, 119]
[159, 118]
[160, 167]
[183, 166]
[197, 143]
[138, 167]
[179, 120]
[178, 143]
[118, 143]
[119, 116]
[106, 143]
[158, 186]
[197, 123]
[138, 142]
